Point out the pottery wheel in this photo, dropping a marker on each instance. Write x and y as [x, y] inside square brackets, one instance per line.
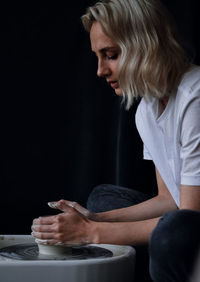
[31, 252]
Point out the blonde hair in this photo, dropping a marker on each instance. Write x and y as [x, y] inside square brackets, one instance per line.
[152, 60]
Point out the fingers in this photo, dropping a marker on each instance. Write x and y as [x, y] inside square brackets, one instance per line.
[67, 227]
[62, 205]
[45, 220]
[43, 236]
[63, 227]
[42, 228]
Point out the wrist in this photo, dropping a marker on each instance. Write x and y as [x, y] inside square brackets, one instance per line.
[94, 233]
[95, 216]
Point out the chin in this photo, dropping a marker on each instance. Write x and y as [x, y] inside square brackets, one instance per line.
[118, 91]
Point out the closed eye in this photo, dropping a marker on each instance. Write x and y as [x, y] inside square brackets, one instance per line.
[114, 57]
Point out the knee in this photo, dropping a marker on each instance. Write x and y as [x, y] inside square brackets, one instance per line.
[94, 202]
[97, 192]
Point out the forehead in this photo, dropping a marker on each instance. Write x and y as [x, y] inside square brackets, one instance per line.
[99, 40]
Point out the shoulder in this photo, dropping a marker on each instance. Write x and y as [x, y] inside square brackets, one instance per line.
[189, 88]
[190, 82]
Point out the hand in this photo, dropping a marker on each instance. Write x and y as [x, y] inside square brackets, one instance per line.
[69, 227]
[61, 205]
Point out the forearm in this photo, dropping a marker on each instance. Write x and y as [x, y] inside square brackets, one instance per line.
[71, 226]
[152, 208]
[123, 233]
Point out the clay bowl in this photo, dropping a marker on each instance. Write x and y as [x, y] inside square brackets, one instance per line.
[55, 250]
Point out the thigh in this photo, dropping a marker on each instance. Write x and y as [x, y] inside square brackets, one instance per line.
[107, 197]
[174, 246]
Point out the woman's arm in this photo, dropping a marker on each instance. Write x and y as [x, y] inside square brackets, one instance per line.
[124, 233]
[152, 208]
[72, 227]
[190, 197]
[129, 226]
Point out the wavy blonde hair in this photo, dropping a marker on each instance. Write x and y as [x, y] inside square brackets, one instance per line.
[152, 60]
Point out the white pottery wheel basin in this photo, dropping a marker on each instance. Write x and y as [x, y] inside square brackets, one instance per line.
[118, 268]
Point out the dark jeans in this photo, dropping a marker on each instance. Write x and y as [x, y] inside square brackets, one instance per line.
[174, 247]
[108, 197]
[174, 243]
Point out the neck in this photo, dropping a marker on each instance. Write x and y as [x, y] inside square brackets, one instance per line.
[164, 102]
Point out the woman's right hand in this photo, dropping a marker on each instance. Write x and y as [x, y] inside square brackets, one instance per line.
[69, 227]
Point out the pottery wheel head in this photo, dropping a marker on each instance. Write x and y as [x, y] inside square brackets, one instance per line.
[31, 252]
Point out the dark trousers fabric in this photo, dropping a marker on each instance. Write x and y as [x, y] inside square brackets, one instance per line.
[174, 244]
[108, 197]
[174, 247]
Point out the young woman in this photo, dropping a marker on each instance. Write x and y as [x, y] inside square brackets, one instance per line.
[139, 55]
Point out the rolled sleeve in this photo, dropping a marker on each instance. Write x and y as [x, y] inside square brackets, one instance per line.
[190, 143]
[146, 154]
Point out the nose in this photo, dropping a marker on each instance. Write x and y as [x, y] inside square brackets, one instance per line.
[103, 69]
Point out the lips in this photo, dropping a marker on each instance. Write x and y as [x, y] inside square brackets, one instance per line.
[114, 84]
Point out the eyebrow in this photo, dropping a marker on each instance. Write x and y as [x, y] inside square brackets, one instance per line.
[107, 48]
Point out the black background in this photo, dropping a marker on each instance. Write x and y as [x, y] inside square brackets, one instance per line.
[63, 130]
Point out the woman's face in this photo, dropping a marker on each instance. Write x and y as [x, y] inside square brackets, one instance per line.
[108, 54]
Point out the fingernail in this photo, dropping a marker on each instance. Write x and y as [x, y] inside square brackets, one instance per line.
[33, 234]
[53, 205]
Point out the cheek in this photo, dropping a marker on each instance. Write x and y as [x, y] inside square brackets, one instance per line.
[117, 67]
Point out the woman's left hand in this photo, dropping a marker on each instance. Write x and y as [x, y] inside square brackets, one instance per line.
[62, 204]
[69, 227]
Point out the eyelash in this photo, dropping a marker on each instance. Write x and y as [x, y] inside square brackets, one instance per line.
[114, 57]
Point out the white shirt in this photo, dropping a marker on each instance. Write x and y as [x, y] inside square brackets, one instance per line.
[172, 139]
